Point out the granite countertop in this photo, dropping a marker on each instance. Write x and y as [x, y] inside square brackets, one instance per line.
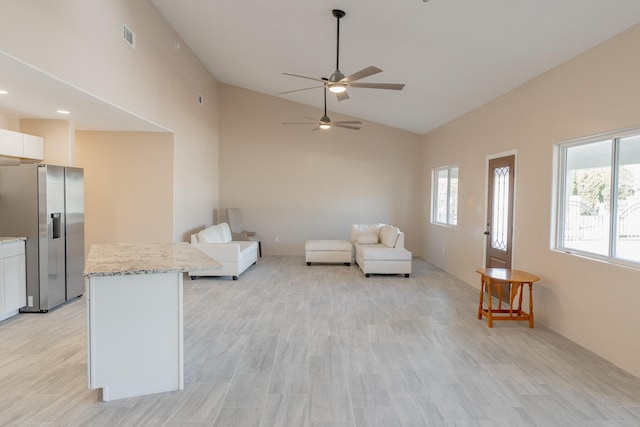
[146, 258]
[4, 240]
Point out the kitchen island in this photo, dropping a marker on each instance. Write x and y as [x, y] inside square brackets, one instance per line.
[134, 316]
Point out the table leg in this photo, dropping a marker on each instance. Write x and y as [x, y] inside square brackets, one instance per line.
[489, 309]
[511, 298]
[481, 298]
[531, 305]
[520, 299]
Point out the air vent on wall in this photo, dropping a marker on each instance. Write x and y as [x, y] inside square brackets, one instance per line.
[129, 36]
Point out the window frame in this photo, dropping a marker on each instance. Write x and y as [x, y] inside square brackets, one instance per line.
[435, 194]
[559, 201]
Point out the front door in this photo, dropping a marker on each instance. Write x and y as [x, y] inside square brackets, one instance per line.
[500, 212]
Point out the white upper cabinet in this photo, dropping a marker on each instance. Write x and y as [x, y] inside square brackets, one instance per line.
[33, 147]
[10, 143]
[16, 144]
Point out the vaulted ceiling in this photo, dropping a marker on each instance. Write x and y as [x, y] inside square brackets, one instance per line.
[453, 55]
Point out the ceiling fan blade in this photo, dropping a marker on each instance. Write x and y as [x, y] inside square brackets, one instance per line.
[338, 125]
[304, 77]
[348, 122]
[365, 72]
[391, 86]
[312, 119]
[316, 128]
[342, 96]
[298, 123]
[299, 90]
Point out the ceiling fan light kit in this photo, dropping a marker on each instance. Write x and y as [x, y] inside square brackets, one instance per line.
[337, 88]
[326, 123]
[324, 126]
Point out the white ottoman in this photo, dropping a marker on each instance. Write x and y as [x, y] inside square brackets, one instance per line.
[329, 251]
[379, 259]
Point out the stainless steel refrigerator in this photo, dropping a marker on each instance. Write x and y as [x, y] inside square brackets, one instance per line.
[45, 204]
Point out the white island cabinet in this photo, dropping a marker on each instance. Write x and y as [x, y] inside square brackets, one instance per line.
[134, 316]
[13, 276]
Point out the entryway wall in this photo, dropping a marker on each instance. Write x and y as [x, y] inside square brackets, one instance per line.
[590, 94]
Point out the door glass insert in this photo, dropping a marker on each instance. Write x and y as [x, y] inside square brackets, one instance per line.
[500, 220]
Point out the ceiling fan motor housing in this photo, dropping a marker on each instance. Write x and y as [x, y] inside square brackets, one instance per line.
[336, 77]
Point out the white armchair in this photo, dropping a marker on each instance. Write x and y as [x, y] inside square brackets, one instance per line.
[235, 256]
[237, 229]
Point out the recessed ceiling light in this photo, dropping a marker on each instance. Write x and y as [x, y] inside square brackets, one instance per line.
[63, 112]
[3, 92]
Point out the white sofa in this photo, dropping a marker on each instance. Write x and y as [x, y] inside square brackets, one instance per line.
[235, 256]
[379, 249]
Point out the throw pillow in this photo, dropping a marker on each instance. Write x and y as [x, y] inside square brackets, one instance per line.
[389, 236]
[368, 238]
[215, 234]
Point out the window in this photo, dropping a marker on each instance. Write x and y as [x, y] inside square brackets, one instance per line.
[599, 197]
[444, 195]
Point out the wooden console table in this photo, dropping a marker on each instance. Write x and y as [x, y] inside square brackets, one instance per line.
[516, 280]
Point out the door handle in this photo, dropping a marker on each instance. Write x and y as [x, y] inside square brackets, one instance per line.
[487, 231]
[56, 225]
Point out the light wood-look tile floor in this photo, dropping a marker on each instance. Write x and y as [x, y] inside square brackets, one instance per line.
[291, 345]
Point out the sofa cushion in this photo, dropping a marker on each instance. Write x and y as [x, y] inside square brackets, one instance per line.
[328, 245]
[215, 234]
[389, 236]
[357, 229]
[368, 238]
[383, 253]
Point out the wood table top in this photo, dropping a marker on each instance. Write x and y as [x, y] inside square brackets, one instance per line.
[507, 275]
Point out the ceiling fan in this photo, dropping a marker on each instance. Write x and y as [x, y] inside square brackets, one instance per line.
[326, 123]
[338, 82]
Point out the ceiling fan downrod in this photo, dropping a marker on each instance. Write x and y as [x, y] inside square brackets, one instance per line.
[325, 121]
[337, 75]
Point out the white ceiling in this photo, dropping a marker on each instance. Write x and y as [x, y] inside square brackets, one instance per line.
[453, 55]
[33, 94]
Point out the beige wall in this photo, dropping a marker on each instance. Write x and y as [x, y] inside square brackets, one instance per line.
[80, 42]
[59, 139]
[295, 184]
[592, 303]
[128, 186]
[9, 122]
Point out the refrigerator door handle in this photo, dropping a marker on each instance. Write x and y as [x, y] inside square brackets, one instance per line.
[56, 228]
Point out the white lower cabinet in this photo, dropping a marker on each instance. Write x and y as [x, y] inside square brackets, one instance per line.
[13, 283]
[135, 334]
